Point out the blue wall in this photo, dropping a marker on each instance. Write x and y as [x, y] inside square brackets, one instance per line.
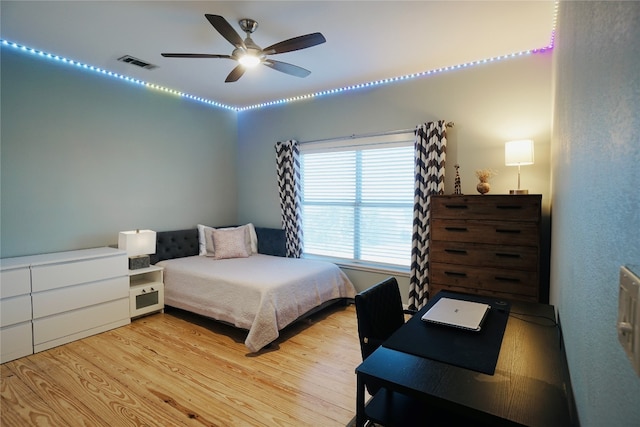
[85, 156]
[596, 199]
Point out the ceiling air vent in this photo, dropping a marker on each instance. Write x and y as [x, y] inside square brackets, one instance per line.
[137, 62]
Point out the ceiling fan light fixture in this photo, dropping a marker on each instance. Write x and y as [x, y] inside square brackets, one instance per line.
[248, 60]
[249, 54]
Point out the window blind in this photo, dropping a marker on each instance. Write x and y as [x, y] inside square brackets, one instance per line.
[357, 199]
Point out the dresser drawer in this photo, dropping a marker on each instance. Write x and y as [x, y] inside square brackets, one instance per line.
[15, 282]
[480, 231]
[69, 298]
[435, 288]
[15, 310]
[65, 327]
[482, 255]
[491, 279]
[52, 276]
[15, 341]
[521, 208]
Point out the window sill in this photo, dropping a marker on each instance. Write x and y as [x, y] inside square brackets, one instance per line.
[364, 266]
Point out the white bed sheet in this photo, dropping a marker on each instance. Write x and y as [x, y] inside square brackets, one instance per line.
[261, 293]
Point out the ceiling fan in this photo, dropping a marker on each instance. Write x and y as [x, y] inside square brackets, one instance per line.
[249, 54]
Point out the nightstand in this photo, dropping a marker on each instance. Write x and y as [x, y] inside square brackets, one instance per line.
[146, 291]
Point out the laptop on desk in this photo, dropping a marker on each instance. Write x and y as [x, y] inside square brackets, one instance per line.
[457, 313]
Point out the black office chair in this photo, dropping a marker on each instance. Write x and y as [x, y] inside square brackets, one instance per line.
[380, 313]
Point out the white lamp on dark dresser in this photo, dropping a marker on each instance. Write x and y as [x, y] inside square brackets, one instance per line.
[518, 153]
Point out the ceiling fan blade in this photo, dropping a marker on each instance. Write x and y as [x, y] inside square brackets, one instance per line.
[296, 43]
[193, 55]
[235, 74]
[225, 29]
[286, 68]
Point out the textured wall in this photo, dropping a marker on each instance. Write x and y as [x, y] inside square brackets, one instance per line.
[596, 199]
[85, 156]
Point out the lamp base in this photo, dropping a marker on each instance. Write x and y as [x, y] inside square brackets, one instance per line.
[518, 191]
[138, 262]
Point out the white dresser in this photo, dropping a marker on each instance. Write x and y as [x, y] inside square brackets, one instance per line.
[16, 338]
[71, 295]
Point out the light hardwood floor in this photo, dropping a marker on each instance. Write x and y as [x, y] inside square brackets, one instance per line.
[178, 369]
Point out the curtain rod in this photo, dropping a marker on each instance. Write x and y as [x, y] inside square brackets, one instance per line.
[366, 135]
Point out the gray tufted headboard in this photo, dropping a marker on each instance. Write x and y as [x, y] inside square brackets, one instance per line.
[183, 243]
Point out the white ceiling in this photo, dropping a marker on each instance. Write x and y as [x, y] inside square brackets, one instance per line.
[366, 40]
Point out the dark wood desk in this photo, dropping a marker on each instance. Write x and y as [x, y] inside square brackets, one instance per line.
[530, 386]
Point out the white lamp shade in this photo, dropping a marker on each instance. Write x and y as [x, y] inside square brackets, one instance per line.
[518, 152]
[137, 242]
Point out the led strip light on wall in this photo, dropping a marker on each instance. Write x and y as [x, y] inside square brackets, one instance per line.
[291, 99]
[396, 79]
[111, 74]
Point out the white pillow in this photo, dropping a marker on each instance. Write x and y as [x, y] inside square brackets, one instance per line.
[207, 245]
[210, 249]
[230, 242]
[202, 239]
[254, 238]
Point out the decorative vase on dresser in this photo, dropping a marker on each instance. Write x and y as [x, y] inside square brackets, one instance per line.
[486, 245]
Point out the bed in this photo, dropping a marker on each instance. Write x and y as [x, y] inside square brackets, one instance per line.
[262, 292]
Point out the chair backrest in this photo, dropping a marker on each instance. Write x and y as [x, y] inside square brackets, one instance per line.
[380, 313]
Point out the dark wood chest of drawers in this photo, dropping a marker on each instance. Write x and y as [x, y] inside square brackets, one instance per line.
[486, 245]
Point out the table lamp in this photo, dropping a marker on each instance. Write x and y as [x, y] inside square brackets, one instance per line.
[518, 153]
[138, 244]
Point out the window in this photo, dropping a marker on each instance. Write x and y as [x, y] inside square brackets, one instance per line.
[357, 199]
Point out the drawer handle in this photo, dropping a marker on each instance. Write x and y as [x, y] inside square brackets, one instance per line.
[504, 255]
[456, 251]
[508, 206]
[456, 206]
[507, 279]
[455, 273]
[508, 231]
[456, 229]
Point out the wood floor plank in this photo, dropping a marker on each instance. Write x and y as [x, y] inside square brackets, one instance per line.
[184, 381]
[184, 370]
[111, 398]
[203, 378]
[22, 406]
[261, 383]
[43, 376]
[106, 350]
[280, 361]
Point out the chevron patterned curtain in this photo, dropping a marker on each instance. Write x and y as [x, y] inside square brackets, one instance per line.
[288, 169]
[430, 152]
